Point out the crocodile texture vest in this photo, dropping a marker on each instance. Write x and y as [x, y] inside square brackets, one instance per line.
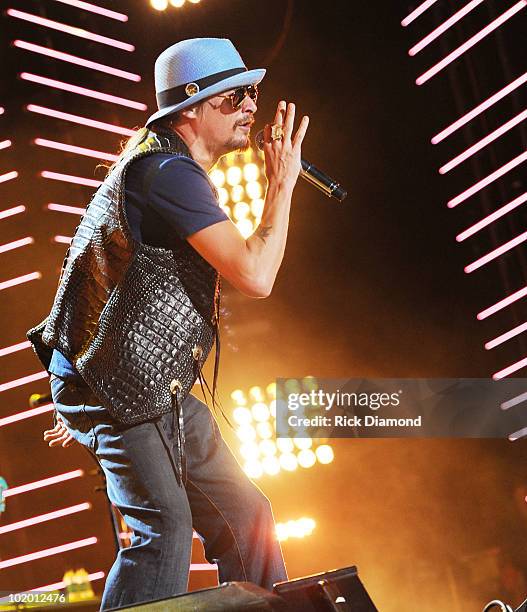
[136, 321]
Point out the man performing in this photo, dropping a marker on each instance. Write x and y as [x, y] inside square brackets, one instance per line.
[136, 314]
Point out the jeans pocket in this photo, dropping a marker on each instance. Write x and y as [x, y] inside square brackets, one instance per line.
[70, 405]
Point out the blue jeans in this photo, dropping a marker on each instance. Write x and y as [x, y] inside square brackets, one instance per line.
[230, 514]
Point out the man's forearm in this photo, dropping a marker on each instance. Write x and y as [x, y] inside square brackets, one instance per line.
[266, 246]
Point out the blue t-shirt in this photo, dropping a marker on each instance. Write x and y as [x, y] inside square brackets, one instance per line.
[163, 194]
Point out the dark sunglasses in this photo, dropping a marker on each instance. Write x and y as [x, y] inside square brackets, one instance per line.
[238, 95]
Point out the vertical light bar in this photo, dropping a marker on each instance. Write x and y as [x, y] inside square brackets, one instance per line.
[9, 212]
[47, 552]
[471, 42]
[45, 482]
[16, 244]
[42, 518]
[99, 125]
[488, 180]
[74, 59]
[417, 12]
[480, 108]
[81, 91]
[26, 278]
[514, 367]
[484, 142]
[496, 253]
[510, 299]
[69, 178]
[444, 27]
[68, 29]
[93, 8]
[506, 336]
[521, 199]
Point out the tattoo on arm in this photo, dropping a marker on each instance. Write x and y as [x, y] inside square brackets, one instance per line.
[262, 231]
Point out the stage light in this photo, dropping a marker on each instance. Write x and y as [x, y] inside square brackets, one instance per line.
[246, 433]
[25, 380]
[268, 447]
[93, 8]
[260, 411]
[82, 91]
[42, 518]
[159, 5]
[245, 227]
[496, 253]
[5, 144]
[306, 458]
[237, 193]
[14, 210]
[99, 125]
[324, 454]
[510, 165]
[19, 280]
[16, 244]
[288, 462]
[56, 550]
[234, 175]
[295, 529]
[239, 397]
[217, 177]
[264, 430]
[418, 11]
[257, 207]
[510, 369]
[14, 348]
[521, 199]
[251, 172]
[45, 482]
[303, 443]
[79, 61]
[68, 178]
[62, 239]
[8, 176]
[506, 336]
[474, 40]
[250, 451]
[177, 3]
[285, 445]
[254, 190]
[241, 210]
[510, 299]
[242, 415]
[73, 210]
[271, 465]
[26, 414]
[61, 146]
[253, 469]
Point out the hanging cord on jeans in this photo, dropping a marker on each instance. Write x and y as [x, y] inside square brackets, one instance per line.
[177, 407]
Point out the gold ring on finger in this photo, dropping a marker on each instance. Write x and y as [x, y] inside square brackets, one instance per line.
[277, 131]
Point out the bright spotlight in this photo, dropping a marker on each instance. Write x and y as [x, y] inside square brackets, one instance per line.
[159, 5]
[288, 462]
[324, 453]
[295, 529]
[306, 458]
[242, 415]
[271, 465]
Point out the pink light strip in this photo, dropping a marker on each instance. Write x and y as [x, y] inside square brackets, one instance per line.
[100, 125]
[93, 8]
[69, 178]
[444, 27]
[9, 212]
[27, 414]
[26, 278]
[42, 518]
[74, 210]
[16, 244]
[82, 91]
[8, 176]
[5, 144]
[47, 552]
[496, 253]
[2, 110]
[517, 295]
[62, 239]
[203, 567]
[418, 11]
[484, 142]
[514, 367]
[521, 199]
[488, 180]
[60, 146]
[14, 348]
[480, 108]
[474, 40]
[79, 61]
[45, 482]
[25, 380]
[506, 336]
[68, 29]
[519, 399]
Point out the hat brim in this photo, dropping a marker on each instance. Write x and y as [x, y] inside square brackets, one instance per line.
[250, 77]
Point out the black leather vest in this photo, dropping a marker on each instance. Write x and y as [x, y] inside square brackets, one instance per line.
[136, 321]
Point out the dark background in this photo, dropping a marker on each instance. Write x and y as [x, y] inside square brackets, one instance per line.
[373, 287]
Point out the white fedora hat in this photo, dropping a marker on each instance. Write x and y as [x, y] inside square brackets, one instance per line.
[195, 69]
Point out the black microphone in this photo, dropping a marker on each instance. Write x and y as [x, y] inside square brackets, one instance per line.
[313, 175]
[37, 399]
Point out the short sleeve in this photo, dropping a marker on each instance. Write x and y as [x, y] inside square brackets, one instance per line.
[181, 192]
